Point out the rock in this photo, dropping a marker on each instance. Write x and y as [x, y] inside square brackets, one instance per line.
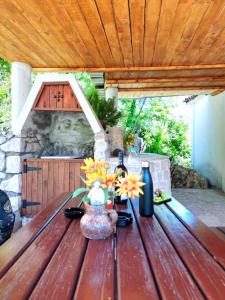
[13, 164]
[15, 202]
[115, 138]
[101, 147]
[12, 184]
[14, 145]
[33, 147]
[187, 178]
[2, 139]
[2, 161]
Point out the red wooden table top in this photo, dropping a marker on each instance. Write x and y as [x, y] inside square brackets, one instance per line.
[170, 256]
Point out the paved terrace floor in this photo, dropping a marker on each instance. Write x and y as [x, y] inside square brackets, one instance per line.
[208, 204]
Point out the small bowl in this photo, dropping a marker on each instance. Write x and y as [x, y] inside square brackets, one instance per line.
[124, 219]
[73, 212]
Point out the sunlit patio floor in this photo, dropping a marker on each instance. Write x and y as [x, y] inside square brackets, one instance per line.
[208, 205]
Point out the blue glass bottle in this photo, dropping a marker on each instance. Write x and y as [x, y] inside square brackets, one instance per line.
[146, 208]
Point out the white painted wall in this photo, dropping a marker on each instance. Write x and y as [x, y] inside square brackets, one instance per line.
[208, 138]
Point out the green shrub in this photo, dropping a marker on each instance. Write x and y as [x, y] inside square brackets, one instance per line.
[160, 130]
[5, 102]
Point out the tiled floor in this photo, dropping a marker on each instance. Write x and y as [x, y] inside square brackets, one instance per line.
[208, 204]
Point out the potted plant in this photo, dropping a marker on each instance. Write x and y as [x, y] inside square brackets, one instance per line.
[99, 221]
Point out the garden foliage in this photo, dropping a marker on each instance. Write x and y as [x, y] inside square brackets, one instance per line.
[5, 102]
[155, 123]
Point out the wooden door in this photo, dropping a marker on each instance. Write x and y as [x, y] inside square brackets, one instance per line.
[45, 179]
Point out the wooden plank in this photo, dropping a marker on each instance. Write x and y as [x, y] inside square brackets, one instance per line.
[172, 277]
[21, 278]
[60, 276]
[200, 231]
[16, 245]
[122, 18]
[60, 181]
[24, 186]
[218, 232]
[128, 68]
[182, 14]
[208, 274]
[137, 21]
[81, 28]
[106, 13]
[162, 80]
[71, 176]
[51, 183]
[56, 178]
[217, 92]
[28, 210]
[152, 14]
[34, 191]
[52, 96]
[67, 97]
[134, 275]
[66, 180]
[196, 14]
[88, 8]
[222, 229]
[45, 183]
[167, 15]
[96, 279]
[60, 100]
[174, 88]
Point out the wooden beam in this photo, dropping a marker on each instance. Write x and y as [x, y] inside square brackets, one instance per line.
[160, 80]
[174, 88]
[217, 92]
[130, 69]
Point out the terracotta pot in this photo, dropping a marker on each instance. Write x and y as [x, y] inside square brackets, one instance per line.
[98, 222]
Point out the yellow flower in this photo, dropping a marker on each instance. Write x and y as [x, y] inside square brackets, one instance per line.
[130, 185]
[91, 165]
[109, 181]
[98, 174]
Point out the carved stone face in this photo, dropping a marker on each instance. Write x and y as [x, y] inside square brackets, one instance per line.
[70, 130]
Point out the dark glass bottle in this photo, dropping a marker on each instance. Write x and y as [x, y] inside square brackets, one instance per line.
[146, 200]
[121, 170]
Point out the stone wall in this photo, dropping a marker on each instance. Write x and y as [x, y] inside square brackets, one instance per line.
[60, 133]
[159, 167]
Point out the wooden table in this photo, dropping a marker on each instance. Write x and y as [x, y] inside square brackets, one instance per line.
[170, 256]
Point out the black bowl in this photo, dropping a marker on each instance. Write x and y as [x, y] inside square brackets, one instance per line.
[73, 212]
[124, 219]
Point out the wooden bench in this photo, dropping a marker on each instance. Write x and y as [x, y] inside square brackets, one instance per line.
[170, 256]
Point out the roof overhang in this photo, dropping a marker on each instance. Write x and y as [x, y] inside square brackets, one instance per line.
[117, 36]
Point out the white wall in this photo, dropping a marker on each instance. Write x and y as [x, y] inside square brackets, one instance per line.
[208, 138]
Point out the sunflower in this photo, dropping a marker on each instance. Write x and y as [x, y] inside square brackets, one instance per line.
[130, 185]
[91, 165]
[109, 181]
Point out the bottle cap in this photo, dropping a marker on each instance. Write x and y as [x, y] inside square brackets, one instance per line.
[145, 164]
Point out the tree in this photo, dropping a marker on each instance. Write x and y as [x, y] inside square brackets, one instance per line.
[5, 103]
[160, 130]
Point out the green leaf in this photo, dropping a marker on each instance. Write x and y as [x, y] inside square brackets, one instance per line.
[106, 195]
[79, 191]
[85, 199]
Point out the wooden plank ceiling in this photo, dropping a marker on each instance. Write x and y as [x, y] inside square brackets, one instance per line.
[176, 39]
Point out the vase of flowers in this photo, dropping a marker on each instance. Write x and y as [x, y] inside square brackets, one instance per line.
[99, 221]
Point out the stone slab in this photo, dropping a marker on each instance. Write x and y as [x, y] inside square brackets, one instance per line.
[2, 161]
[13, 184]
[13, 164]
[14, 145]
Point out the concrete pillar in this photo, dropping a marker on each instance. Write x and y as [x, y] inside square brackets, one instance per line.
[21, 82]
[111, 92]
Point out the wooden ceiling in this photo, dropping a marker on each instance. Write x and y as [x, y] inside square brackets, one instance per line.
[117, 36]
